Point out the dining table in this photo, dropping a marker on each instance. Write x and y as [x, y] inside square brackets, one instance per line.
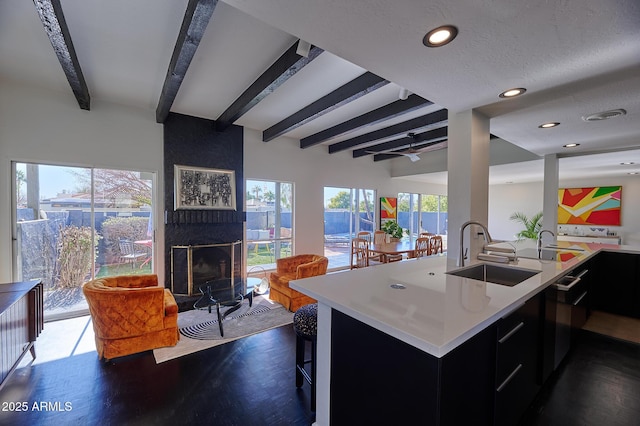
[394, 248]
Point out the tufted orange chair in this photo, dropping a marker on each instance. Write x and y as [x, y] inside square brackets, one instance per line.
[131, 314]
[295, 268]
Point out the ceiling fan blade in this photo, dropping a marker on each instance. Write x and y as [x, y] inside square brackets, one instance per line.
[413, 157]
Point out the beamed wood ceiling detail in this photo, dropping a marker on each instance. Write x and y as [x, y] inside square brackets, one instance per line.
[196, 19]
[279, 72]
[55, 26]
[431, 136]
[378, 115]
[349, 92]
[197, 15]
[439, 117]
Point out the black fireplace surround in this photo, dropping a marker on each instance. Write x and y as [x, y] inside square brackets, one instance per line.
[193, 141]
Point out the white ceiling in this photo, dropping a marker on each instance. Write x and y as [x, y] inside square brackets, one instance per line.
[575, 57]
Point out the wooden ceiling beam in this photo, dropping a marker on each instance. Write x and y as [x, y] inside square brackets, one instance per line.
[440, 116]
[349, 92]
[285, 67]
[387, 112]
[404, 142]
[55, 26]
[195, 21]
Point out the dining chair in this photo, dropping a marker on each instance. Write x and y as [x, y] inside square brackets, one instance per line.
[378, 238]
[365, 235]
[359, 253]
[435, 244]
[422, 247]
[426, 234]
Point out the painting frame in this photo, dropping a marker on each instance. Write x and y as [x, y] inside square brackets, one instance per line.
[596, 205]
[201, 188]
[388, 210]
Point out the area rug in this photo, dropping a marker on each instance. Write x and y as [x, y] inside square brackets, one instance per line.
[199, 329]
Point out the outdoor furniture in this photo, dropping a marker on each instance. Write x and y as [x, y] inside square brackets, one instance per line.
[129, 253]
[305, 324]
[295, 268]
[130, 314]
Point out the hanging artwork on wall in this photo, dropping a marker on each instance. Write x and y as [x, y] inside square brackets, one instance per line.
[388, 209]
[200, 188]
[590, 206]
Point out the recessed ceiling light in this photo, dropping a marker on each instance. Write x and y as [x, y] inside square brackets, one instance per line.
[440, 36]
[571, 145]
[549, 125]
[632, 173]
[628, 163]
[511, 93]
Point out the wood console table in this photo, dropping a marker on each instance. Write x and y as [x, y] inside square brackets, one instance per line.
[21, 321]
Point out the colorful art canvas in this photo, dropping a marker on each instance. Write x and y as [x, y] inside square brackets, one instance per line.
[388, 208]
[590, 206]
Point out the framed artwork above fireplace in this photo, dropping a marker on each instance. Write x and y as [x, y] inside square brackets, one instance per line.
[198, 188]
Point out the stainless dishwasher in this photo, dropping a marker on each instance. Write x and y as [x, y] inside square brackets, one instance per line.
[571, 311]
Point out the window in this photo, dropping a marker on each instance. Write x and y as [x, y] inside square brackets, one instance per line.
[422, 213]
[269, 223]
[347, 211]
[73, 224]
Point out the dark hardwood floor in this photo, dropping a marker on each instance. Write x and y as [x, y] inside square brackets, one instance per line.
[597, 384]
[251, 381]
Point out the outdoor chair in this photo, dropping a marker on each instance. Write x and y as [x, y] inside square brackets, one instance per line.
[129, 253]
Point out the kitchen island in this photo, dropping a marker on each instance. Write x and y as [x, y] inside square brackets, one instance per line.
[425, 340]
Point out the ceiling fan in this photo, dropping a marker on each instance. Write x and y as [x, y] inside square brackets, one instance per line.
[412, 153]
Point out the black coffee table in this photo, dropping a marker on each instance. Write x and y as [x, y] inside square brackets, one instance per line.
[224, 293]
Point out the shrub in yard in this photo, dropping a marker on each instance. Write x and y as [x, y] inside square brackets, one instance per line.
[76, 250]
[116, 228]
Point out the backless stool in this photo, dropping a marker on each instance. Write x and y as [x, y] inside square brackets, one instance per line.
[305, 324]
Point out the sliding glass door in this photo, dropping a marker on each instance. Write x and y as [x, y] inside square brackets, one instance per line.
[347, 211]
[73, 224]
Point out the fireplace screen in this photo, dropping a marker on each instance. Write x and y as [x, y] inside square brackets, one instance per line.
[192, 266]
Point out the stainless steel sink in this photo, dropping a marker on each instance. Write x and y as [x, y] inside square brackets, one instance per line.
[495, 274]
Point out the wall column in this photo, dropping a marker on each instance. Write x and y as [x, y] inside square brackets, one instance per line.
[468, 180]
[550, 196]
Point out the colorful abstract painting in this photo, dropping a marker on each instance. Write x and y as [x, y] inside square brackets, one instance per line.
[589, 206]
[388, 208]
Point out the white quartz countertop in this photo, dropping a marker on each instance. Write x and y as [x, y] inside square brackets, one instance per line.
[435, 311]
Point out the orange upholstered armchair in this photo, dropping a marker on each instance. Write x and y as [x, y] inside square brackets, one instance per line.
[131, 314]
[294, 268]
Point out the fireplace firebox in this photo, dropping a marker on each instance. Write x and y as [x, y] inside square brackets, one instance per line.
[192, 266]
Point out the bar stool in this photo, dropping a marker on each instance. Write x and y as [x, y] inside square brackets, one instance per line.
[305, 324]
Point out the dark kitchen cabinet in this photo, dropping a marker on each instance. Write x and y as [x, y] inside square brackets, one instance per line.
[518, 360]
[615, 286]
[378, 379]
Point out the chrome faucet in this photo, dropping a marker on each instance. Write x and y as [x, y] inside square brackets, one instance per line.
[539, 241]
[487, 238]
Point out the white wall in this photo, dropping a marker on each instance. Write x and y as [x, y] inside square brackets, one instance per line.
[48, 127]
[504, 200]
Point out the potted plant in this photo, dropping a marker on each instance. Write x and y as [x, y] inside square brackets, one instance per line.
[531, 225]
[393, 230]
